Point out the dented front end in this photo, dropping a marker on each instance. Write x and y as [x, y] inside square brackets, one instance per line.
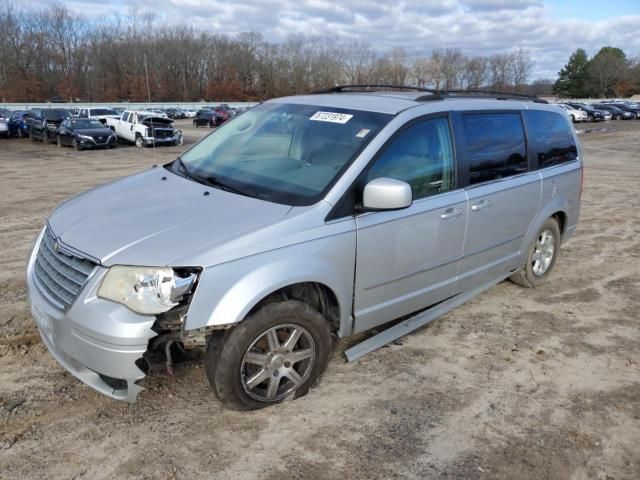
[99, 341]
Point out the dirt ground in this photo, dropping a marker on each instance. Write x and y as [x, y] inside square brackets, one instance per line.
[516, 384]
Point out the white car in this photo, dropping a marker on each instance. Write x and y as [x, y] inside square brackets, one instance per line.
[575, 114]
[99, 113]
[190, 113]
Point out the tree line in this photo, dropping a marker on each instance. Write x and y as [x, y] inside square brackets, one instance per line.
[609, 73]
[55, 54]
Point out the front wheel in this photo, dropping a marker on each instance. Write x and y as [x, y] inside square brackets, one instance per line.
[59, 141]
[541, 257]
[76, 146]
[139, 142]
[618, 117]
[276, 353]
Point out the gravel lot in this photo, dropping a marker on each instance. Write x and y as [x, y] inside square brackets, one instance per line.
[516, 384]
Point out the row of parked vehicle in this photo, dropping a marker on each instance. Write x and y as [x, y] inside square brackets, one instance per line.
[100, 127]
[602, 111]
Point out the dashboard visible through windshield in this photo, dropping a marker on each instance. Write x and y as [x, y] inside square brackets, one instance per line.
[284, 153]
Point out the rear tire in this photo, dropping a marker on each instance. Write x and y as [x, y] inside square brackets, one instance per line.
[58, 141]
[276, 353]
[541, 256]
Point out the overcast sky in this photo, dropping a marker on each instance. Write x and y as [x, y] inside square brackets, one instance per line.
[550, 29]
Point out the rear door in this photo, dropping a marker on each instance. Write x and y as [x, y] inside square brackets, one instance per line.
[408, 259]
[503, 192]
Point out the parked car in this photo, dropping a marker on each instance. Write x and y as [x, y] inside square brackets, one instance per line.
[575, 114]
[4, 123]
[17, 124]
[159, 112]
[43, 123]
[635, 111]
[145, 128]
[85, 133]
[208, 118]
[616, 112]
[98, 113]
[175, 113]
[190, 113]
[304, 217]
[593, 114]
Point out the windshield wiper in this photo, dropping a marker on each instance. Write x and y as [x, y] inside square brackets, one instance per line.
[210, 181]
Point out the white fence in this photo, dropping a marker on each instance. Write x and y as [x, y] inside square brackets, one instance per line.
[125, 105]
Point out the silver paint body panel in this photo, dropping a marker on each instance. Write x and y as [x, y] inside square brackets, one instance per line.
[380, 265]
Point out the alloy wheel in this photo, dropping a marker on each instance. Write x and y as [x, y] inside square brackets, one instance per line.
[543, 252]
[277, 363]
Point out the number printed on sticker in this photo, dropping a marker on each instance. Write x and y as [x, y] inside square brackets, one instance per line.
[332, 117]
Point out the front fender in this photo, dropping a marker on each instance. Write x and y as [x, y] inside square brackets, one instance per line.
[227, 292]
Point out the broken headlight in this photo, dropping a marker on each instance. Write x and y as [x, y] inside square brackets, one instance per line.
[145, 290]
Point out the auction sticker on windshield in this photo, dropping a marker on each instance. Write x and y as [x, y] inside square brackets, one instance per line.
[332, 117]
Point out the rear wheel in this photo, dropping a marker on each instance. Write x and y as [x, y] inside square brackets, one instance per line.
[541, 257]
[276, 353]
[618, 117]
[59, 141]
[44, 136]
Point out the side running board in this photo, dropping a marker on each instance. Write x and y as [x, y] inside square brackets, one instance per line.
[410, 324]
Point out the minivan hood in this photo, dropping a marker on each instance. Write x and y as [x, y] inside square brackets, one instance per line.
[156, 217]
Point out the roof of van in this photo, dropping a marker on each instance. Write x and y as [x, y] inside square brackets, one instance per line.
[393, 102]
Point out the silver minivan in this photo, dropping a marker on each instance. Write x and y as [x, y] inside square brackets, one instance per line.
[304, 218]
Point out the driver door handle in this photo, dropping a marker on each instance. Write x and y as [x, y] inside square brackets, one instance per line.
[451, 213]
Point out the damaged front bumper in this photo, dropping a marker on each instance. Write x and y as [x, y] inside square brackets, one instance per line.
[99, 342]
[175, 139]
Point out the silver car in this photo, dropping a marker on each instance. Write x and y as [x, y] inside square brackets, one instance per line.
[304, 218]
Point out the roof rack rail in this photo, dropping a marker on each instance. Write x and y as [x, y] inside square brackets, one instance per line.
[439, 95]
[374, 87]
[436, 94]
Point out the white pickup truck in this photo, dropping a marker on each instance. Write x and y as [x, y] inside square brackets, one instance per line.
[99, 113]
[145, 128]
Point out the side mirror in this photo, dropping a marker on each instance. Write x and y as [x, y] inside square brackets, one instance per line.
[386, 194]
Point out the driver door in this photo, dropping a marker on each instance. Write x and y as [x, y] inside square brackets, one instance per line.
[408, 259]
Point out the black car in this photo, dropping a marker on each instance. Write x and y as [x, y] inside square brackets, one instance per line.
[616, 112]
[208, 118]
[635, 111]
[43, 123]
[175, 113]
[81, 133]
[593, 114]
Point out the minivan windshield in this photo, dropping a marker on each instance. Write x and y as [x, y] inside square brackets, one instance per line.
[284, 153]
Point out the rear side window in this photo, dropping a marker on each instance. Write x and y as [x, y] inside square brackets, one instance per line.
[551, 138]
[495, 146]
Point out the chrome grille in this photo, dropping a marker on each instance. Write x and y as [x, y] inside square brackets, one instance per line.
[60, 274]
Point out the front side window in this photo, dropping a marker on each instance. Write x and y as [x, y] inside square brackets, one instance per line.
[284, 153]
[551, 138]
[495, 146]
[422, 156]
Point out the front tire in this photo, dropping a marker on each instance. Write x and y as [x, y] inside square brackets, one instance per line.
[139, 142]
[541, 257]
[76, 146]
[276, 353]
[59, 141]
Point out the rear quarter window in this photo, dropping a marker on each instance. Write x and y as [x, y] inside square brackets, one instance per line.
[551, 138]
[495, 146]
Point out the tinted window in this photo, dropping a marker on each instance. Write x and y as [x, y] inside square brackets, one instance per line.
[495, 146]
[422, 156]
[550, 135]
